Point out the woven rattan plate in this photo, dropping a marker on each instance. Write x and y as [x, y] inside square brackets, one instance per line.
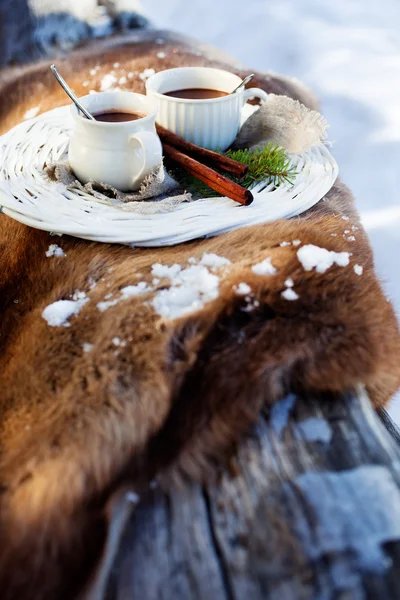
[26, 195]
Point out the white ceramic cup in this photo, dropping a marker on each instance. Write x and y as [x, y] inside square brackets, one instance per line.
[212, 123]
[120, 154]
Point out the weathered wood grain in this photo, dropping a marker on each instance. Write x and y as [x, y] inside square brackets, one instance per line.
[309, 509]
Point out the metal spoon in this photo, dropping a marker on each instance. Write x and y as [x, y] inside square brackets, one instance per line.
[70, 93]
[242, 83]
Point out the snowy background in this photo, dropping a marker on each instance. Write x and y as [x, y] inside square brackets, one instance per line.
[348, 52]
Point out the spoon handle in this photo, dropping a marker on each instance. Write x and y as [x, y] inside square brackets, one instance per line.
[70, 93]
[242, 83]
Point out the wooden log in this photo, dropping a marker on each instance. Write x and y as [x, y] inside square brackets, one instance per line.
[311, 509]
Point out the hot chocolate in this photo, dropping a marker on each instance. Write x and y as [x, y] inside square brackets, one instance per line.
[116, 116]
[196, 94]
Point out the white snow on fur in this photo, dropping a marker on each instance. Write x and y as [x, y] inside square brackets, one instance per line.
[159, 270]
[242, 289]
[146, 73]
[290, 294]
[31, 113]
[135, 290]
[214, 261]
[54, 250]
[358, 270]
[106, 304]
[127, 292]
[264, 268]
[108, 82]
[58, 313]
[321, 259]
[190, 290]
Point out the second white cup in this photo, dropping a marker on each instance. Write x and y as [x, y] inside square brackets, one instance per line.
[212, 123]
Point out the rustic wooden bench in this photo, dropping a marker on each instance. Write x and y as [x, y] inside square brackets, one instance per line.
[310, 508]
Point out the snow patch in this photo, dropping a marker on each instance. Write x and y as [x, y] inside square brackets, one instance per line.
[322, 259]
[78, 295]
[54, 250]
[135, 290]
[314, 429]
[58, 313]
[264, 268]
[102, 306]
[159, 270]
[31, 113]
[290, 294]
[214, 261]
[358, 269]
[133, 497]
[242, 289]
[87, 347]
[251, 304]
[161, 55]
[108, 82]
[289, 282]
[127, 292]
[280, 413]
[190, 290]
[338, 531]
[146, 73]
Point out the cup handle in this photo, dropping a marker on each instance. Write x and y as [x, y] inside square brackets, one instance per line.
[152, 152]
[255, 93]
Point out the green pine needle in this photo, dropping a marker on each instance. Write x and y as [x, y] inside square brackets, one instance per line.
[270, 162]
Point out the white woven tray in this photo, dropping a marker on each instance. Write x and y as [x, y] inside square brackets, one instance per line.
[28, 197]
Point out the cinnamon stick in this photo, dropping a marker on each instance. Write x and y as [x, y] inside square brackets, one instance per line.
[213, 158]
[214, 180]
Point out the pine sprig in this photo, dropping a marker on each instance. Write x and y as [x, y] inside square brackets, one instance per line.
[269, 162]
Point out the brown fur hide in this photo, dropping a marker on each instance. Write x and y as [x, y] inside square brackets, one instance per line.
[74, 425]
